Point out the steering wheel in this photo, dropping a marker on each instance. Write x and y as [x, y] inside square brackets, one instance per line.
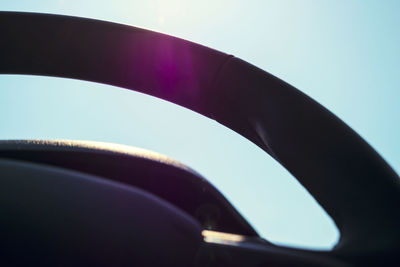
[81, 203]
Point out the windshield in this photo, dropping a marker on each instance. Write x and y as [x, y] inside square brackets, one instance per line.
[300, 43]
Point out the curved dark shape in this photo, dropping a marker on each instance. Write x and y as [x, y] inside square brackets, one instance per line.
[163, 177]
[343, 173]
[46, 233]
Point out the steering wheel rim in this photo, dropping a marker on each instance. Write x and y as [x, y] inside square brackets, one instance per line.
[325, 155]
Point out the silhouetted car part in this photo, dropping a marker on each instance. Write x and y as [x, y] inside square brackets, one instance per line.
[74, 203]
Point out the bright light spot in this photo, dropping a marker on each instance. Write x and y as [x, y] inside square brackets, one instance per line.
[171, 11]
[222, 238]
[161, 20]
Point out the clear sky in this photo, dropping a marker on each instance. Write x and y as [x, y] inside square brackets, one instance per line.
[344, 54]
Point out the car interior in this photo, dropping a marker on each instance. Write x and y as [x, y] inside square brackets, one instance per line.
[72, 203]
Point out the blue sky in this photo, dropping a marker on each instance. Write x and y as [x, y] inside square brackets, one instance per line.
[344, 54]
